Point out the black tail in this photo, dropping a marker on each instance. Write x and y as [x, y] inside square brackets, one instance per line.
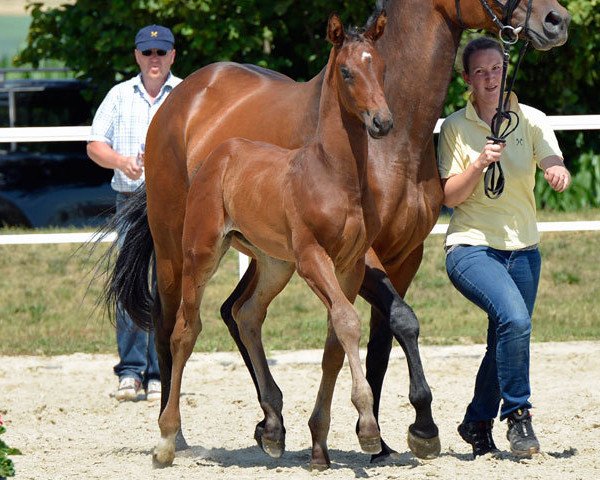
[128, 266]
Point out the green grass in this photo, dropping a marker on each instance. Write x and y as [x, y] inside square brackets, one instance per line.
[46, 307]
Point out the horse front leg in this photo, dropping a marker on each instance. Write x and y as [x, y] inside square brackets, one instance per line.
[393, 315]
[315, 266]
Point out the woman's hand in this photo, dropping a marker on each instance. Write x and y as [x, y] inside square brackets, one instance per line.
[491, 153]
[555, 173]
[558, 177]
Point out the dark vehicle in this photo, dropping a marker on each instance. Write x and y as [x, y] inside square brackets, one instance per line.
[45, 184]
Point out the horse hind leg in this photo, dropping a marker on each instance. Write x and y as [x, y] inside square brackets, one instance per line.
[241, 292]
[249, 311]
[320, 419]
[203, 248]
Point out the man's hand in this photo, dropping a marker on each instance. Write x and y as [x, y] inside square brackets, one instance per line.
[131, 168]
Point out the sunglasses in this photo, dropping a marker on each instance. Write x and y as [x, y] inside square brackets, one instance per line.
[160, 53]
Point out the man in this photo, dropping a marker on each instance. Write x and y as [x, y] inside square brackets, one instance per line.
[117, 141]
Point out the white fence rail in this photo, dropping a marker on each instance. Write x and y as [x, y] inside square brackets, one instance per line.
[74, 134]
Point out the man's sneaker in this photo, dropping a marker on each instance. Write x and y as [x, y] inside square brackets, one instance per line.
[128, 389]
[479, 436]
[521, 436]
[153, 391]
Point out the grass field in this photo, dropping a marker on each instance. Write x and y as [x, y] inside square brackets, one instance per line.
[48, 307]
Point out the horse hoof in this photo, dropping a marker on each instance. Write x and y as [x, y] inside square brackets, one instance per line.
[424, 448]
[164, 453]
[273, 448]
[370, 445]
[162, 461]
[318, 466]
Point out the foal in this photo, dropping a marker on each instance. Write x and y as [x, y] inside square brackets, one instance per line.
[308, 209]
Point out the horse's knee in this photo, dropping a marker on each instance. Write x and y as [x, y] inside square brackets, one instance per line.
[403, 321]
[346, 323]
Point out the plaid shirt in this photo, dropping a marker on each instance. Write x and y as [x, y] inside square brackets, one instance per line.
[122, 120]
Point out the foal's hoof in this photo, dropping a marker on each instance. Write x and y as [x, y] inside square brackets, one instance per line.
[424, 448]
[162, 461]
[370, 445]
[318, 467]
[164, 453]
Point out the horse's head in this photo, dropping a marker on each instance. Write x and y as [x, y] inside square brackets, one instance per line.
[543, 22]
[358, 71]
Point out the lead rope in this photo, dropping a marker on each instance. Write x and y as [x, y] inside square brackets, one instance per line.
[493, 181]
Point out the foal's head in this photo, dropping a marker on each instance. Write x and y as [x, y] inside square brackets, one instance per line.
[358, 71]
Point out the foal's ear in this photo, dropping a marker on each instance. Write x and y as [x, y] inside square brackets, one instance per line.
[335, 30]
[377, 27]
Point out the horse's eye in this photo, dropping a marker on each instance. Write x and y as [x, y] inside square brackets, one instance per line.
[346, 75]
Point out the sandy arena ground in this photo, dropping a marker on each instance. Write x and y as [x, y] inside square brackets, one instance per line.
[59, 411]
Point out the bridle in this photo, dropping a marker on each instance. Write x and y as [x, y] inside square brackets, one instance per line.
[509, 35]
[506, 32]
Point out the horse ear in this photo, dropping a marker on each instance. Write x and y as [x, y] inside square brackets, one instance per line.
[377, 27]
[335, 30]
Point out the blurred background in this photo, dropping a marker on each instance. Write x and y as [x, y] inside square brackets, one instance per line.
[90, 42]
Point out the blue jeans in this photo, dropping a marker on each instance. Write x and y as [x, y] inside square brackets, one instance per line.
[504, 285]
[137, 351]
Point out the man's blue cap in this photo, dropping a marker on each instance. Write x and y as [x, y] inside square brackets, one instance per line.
[154, 36]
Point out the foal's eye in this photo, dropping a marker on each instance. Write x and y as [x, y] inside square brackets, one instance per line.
[346, 75]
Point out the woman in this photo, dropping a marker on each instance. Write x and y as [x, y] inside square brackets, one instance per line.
[492, 256]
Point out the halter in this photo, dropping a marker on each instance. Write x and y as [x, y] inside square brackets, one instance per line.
[508, 35]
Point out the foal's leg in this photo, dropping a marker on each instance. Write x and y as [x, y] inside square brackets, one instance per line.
[203, 248]
[271, 276]
[391, 315]
[315, 266]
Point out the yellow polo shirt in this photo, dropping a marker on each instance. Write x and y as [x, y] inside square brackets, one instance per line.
[508, 222]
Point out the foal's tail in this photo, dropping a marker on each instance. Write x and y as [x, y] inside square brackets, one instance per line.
[128, 263]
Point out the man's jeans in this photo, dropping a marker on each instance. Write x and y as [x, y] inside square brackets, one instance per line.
[137, 352]
[504, 284]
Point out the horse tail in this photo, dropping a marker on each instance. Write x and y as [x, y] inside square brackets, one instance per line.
[129, 262]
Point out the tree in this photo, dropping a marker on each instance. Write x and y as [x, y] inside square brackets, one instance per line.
[97, 42]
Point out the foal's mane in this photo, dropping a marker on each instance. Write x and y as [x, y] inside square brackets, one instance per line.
[355, 33]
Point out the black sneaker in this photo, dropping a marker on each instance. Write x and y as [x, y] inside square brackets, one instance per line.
[521, 436]
[479, 436]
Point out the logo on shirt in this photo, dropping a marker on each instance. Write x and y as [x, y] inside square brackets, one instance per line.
[519, 141]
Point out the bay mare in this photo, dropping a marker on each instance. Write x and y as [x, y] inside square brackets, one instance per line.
[320, 222]
[225, 100]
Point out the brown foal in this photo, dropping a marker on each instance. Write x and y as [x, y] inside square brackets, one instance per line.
[308, 209]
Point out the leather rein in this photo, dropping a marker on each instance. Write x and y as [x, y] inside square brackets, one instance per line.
[508, 35]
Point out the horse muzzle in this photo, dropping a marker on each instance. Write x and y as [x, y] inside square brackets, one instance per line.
[380, 124]
[553, 32]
